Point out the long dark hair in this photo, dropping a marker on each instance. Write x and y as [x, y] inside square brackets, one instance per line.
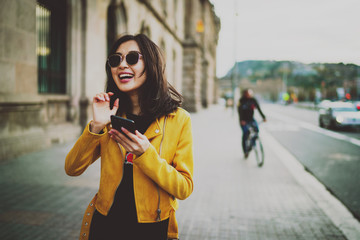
[156, 96]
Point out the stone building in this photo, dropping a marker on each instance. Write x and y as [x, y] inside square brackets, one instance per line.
[53, 53]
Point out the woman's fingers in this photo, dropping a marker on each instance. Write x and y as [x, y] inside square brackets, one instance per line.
[118, 137]
[139, 135]
[139, 142]
[136, 144]
[116, 103]
[129, 134]
[103, 96]
[98, 98]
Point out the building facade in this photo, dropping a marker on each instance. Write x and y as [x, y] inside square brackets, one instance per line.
[53, 54]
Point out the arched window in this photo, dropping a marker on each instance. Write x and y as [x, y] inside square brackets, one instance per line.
[164, 5]
[175, 13]
[174, 80]
[145, 29]
[116, 22]
[163, 47]
[51, 46]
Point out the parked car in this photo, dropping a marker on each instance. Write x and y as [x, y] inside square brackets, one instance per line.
[339, 114]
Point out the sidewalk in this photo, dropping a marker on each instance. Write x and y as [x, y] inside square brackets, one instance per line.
[232, 199]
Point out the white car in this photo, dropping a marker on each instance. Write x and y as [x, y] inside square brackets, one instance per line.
[324, 104]
[339, 114]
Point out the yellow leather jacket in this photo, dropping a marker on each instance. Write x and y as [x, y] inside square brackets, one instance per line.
[158, 179]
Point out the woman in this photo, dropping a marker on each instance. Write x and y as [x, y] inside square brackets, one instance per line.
[142, 174]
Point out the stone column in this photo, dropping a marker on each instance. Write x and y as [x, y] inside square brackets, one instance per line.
[192, 58]
[192, 78]
[205, 84]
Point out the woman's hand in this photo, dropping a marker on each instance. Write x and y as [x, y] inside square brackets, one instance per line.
[137, 145]
[102, 111]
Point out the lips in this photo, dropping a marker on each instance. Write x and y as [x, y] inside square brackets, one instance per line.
[125, 77]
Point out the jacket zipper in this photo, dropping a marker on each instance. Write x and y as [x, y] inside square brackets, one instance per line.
[158, 211]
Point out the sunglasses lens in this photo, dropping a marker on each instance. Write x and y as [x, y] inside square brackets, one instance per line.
[132, 58]
[114, 60]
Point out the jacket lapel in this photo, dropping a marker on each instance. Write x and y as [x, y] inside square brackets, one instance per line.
[155, 128]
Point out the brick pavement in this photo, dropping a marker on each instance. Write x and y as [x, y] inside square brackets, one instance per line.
[233, 198]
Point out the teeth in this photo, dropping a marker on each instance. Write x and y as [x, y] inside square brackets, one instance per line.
[125, 75]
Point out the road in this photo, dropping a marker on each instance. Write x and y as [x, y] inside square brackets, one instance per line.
[333, 157]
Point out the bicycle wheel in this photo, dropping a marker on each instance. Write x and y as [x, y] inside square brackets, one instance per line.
[259, 152]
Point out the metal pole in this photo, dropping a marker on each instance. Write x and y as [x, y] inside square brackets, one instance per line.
[234, 77]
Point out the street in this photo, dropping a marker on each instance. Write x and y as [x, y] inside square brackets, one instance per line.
[232, 198]
[332, 156]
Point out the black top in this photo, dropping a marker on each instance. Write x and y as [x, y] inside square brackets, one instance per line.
[246, 109]
[122, 218]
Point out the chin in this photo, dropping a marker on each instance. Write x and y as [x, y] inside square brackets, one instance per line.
[127, 89]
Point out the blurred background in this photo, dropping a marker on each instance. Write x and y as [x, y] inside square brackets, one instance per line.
[53, 55]
[301, 58]
[303, 51]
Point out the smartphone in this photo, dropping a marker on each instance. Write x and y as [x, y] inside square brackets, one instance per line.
[119, 122]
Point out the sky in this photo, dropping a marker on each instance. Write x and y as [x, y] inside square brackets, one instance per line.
[297, 30]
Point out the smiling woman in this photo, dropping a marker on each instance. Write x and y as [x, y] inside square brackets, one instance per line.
[142, 172]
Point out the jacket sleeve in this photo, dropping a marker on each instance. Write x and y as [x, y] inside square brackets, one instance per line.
[85, 151]
[176, 179]
[259, 109]
[240, 112]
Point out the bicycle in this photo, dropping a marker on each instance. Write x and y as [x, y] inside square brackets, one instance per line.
[253, 142]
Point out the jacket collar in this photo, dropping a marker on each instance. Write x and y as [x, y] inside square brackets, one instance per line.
[155, 128]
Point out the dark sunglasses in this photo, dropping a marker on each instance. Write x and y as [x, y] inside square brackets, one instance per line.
[131, 58]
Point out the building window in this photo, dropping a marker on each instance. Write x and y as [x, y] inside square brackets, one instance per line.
[116, 23]
[163, 47]
[51, 46]
[145, 29]
[174, 80]
[164, 6]
[175, 13]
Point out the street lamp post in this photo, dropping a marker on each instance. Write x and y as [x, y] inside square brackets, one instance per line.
[234, 81]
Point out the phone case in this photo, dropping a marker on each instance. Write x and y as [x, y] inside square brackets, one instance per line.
[118, 122]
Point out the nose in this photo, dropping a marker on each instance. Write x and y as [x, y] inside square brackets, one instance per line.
[123, 64]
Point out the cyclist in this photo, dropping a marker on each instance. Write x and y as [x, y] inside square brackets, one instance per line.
[247, 105]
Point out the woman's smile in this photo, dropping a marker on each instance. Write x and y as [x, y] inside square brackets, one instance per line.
[126, 77]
